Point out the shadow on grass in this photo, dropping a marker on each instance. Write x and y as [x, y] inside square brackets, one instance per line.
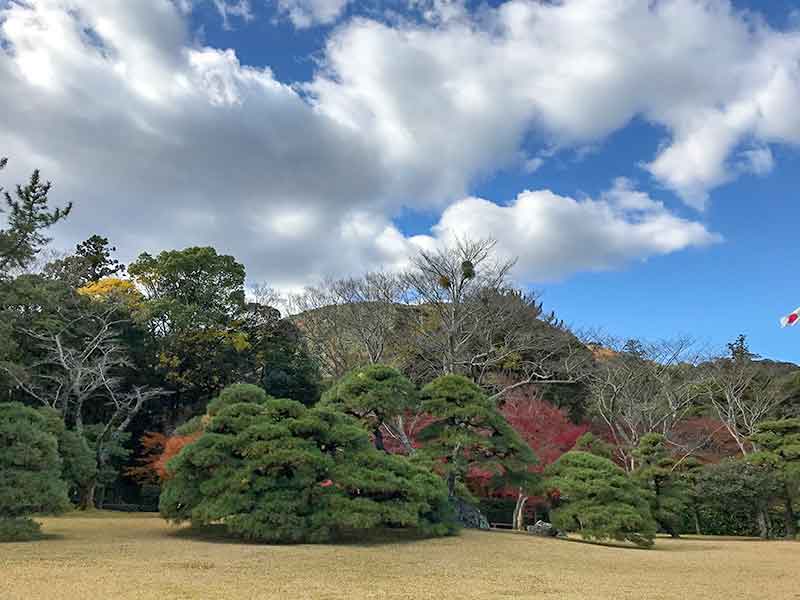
[42, 537]
[218, 534]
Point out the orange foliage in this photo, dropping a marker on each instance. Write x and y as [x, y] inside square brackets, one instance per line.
[158, 450]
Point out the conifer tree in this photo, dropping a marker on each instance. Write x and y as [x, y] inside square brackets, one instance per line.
[596, 498]
[276, 471]
[669, 495]
[468, 431]
[30, 470]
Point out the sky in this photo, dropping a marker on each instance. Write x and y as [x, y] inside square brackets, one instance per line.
[640, 159]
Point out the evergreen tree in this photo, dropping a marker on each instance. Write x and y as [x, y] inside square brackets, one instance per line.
[27, 215]
[91, 262]
[778, 444]
[277, 471]
[78, 465]
[596, 498]
[468, 431]
[30, 470]
[741, 488]
[669, 495]
[376, 395]
[592, 444]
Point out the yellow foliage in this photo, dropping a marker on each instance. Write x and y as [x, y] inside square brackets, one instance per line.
[113, 288]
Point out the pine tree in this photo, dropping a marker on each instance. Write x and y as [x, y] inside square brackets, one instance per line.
[468, 431]
[30, 469]
[276, 471]
[596, 498]
[669, 495]
[377, 395]
[778, 444]
[27, 216]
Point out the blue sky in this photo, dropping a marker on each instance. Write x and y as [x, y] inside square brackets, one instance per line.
[665, 139]
[742, 285]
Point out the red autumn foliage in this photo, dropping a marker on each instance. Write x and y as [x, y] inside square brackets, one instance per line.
[544, 427]
[707, 437]
[158, 450]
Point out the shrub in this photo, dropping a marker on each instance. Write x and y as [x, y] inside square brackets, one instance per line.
[281, 472]
[31, 471]
[597, 499]
[78, 462]
[235, 394]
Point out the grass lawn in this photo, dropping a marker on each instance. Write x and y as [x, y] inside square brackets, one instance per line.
[117, 556]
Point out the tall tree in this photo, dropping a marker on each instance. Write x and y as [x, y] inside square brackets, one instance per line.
[742, 393]
[83, 372]
[471, 320]
[640, 388]
[27, 216]
[669, 494]
[352, 322]
[91, 262]
[467, 431]
[193, 309]
[778, 448]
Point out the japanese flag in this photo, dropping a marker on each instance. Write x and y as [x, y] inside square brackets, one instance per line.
[791, 319]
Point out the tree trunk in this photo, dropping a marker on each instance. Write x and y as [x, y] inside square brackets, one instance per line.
[791, 519]
[763, 526]
[379, 439]
[696, 515]
[451, 484]
[86, 495]
[519, 512]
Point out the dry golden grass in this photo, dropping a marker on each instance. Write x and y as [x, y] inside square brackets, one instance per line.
[118, 557]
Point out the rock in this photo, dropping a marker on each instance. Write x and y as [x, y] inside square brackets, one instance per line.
[543, 529]
[469, 516]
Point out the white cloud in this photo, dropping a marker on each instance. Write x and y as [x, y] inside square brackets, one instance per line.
[456, 99]
[555, 236]
[308, 13]
[162, 143]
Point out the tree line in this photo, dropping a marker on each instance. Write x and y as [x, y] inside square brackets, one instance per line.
[429, 398]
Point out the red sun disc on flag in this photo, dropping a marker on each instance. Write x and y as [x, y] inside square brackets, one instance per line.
[792, 318]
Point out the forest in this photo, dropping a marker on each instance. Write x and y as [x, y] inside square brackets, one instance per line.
[431, 399]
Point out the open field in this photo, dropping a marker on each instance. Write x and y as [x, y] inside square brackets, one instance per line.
[139, 556]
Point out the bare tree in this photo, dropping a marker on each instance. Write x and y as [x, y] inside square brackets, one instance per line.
[350, 322]
[80, 367]
[742, 393]
[469, 318]
[640, 388]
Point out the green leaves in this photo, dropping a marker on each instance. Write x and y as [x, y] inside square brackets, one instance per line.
[277, 471]
[599, 500]
[31, 469]
[468, 431]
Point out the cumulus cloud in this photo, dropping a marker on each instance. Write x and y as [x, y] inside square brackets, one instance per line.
[555, 236]
[162, 143]
[308, 13]
[576, 71]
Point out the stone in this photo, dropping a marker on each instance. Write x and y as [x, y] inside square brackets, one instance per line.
[468, 515]
[542, 529]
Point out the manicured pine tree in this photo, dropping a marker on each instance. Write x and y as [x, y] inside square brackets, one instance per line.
[376, 395]
[276, 471]
[30, 472]
[468, 431]
[596, 498]
[778, 444]
[669, 495]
